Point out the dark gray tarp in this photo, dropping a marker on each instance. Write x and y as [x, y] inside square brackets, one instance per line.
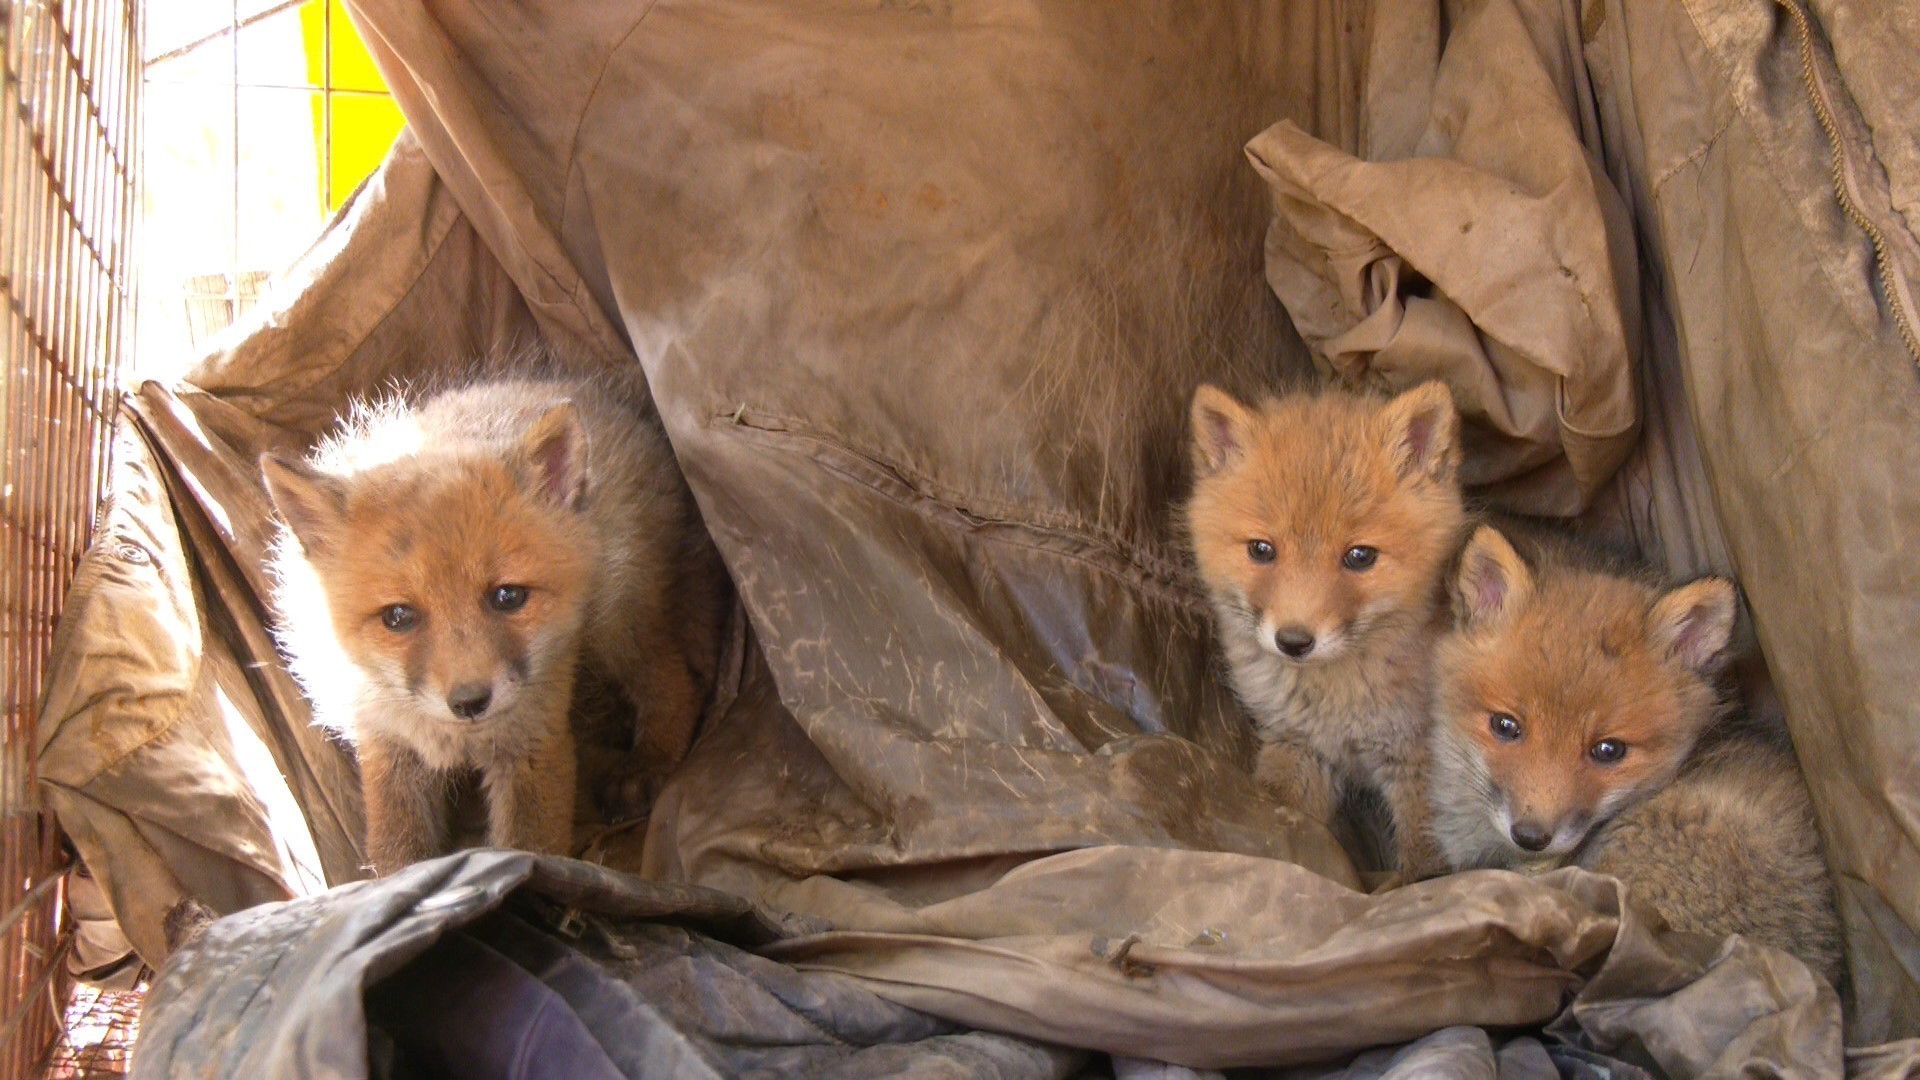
[921, 290]
[493, 963]
[485, 961]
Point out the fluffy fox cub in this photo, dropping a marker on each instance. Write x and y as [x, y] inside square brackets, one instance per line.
[1571, 701]
[1322, 527]
[447, 568]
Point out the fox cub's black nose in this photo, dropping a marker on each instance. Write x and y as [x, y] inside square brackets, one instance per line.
[1295, 641]
[469, 700]
[1531, 837]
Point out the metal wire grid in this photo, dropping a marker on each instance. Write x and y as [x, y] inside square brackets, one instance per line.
[100, 1029]
[68, 143]
[246, 42]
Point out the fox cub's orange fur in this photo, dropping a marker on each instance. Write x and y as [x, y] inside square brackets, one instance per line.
[1322, 526]
[448, 566]
[1571, 701]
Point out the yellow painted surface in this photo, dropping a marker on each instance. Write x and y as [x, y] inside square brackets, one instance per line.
[352, 68]
[364, 119]
[364, 127]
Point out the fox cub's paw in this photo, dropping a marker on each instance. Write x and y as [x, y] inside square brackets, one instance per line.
[628, 794]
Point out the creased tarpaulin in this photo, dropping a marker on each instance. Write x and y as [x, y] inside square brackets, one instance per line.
[921, 292]
[1484, 247]
[578, 972]
[593, 973]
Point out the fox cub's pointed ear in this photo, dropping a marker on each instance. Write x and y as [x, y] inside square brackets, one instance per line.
[1492, 582]
[556, 450]
[1221, 429]
[1423, 431]
[1694, 623]
[311, 502]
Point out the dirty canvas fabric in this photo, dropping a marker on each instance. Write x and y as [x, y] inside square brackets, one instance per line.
[578, 972]
[921, 292]
[1483, 246]
[583, 972]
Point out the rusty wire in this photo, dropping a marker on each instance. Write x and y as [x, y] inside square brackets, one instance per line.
[69, 95]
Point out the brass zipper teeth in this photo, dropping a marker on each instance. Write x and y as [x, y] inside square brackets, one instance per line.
[1824, 113]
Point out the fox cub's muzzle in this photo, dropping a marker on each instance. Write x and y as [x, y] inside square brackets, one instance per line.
[1530, 836]
[1294, 641]
[469, 700]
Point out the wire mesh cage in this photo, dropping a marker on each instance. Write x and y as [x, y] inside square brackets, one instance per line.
[68, 148]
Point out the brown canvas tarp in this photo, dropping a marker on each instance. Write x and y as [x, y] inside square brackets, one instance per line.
[921, 291]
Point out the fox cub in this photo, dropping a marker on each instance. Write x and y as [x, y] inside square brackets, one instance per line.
[1322, 528]
[1571, 704]
[447, 568]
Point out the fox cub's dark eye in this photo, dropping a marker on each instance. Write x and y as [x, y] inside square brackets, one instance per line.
[507, 597]
[1260, 551]
[1504, 727]
[398, 618]
[1607, 751]
[1360, 557]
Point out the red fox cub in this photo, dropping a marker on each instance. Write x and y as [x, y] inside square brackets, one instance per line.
[1571, 703]
[1322, 527]
[448, 566]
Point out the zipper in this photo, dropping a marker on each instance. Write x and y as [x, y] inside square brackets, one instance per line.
[1892, 285]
